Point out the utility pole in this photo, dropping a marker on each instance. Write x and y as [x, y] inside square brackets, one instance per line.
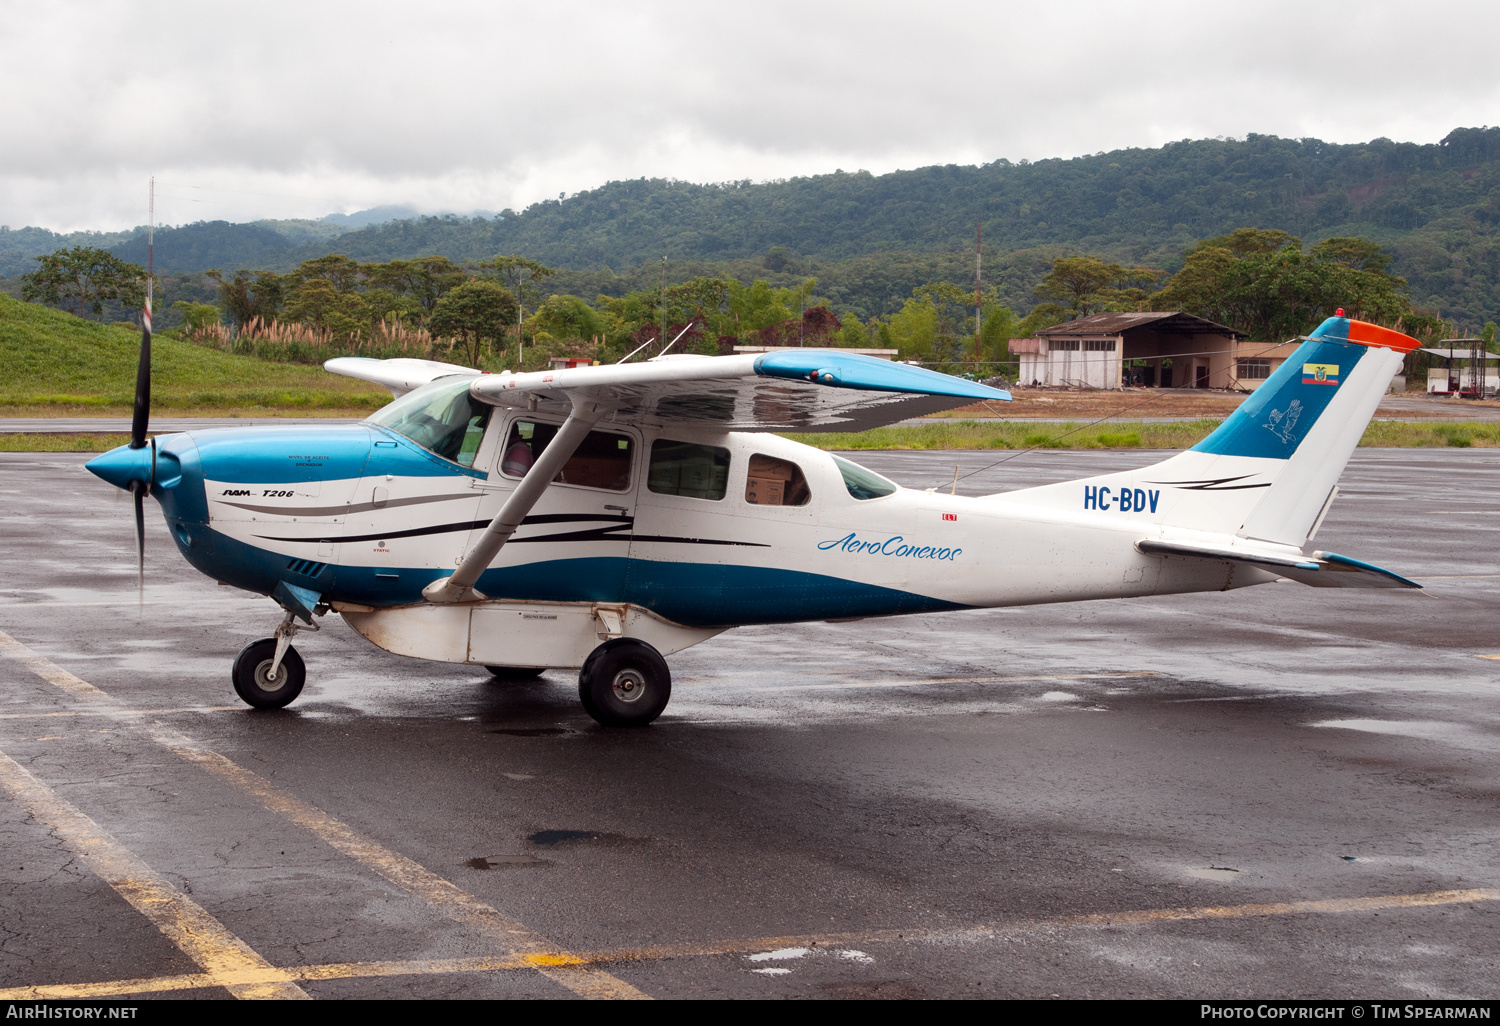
[663, 301]
[978, 280]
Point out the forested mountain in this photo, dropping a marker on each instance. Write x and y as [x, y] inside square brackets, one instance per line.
[1435, 207]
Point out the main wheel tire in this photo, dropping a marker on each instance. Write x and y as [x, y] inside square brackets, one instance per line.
[251, 680]
[625, 683]
[516, 672]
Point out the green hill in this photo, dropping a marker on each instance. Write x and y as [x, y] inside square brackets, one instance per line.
[1435, 206]
[54, 361]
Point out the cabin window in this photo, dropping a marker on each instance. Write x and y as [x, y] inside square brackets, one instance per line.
[774, 482]
[441, 417]
[602, 461]
[686, 468]
[862, 483]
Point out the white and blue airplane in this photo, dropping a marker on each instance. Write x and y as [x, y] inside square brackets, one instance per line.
[603, 518]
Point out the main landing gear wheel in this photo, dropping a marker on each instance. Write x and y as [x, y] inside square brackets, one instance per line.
[624, 683]
[516, 672]
[252, 675]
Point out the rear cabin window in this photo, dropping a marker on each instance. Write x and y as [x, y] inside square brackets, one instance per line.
[602, 461]
[862, 483]
[441, 417]
[686, 468]
[775, 482]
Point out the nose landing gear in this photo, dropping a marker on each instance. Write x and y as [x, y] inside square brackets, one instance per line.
[269, 673]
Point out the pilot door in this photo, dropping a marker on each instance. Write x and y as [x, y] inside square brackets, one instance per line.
[574, 544]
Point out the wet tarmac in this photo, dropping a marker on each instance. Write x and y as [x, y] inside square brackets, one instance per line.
[1273, 792]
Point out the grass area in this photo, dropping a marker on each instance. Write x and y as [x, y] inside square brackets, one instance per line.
[60, 365]
[61, 443]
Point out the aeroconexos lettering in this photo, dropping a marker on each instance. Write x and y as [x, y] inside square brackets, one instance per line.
[896, 546]
[1121, 500]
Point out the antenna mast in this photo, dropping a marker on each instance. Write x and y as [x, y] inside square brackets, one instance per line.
[150, 250]
[978, 283]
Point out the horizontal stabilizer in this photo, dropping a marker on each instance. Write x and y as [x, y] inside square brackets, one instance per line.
[1320, 570]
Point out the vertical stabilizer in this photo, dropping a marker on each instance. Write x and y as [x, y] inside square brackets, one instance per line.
[1268, 472]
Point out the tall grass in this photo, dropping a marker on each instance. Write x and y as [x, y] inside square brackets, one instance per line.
[283, 342]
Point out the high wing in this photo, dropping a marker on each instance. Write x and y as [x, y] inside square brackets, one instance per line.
[800, 390]
[400, 375]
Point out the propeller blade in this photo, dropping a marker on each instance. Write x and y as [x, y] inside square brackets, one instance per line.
[138, 489]
[141, 414]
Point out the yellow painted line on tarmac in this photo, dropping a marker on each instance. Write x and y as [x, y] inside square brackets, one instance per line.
[446, 897]
[1496, 656]
[750, 945]
[180, 919]
[48, 670]
[115, 713]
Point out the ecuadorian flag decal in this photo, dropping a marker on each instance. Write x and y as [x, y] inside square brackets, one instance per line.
[1320, 374]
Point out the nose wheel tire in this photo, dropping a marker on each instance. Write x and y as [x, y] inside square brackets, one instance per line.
[625, 684]
[516, 672]
[252, 675]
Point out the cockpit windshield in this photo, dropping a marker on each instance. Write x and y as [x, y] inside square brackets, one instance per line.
[862, 483]
[441, 418]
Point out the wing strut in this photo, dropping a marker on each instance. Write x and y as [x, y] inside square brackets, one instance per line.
[460, 586]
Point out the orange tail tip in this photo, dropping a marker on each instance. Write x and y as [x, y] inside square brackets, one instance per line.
[1367, 334]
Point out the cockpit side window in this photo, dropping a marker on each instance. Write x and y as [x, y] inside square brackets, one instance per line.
[441, 417]
[601, 461]
[862, 483]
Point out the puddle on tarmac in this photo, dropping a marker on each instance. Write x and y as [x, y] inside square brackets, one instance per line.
[1223, 874]
[1459, 735]
[554, 838]
[504, 861]
[548, 838]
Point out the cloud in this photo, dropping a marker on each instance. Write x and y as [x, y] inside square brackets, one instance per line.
[297, 109]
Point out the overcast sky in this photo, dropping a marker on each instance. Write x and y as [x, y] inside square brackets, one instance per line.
[270, 109]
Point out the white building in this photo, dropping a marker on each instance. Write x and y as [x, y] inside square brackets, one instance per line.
[1163, 349]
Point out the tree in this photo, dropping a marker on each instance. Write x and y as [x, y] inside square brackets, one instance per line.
[1244, 242]
[1488, 334]
[342, 273]
[196, 316]
[474, 315]
[568, 317]
[1360, 254]
[1043, 315]
[1284, 293]
[246, 298]
[913, 331]
[85, 279]
[425, 279]
[1079, 282]
[852, 333]
[519, 275]
[996, 330]
[319, 303]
